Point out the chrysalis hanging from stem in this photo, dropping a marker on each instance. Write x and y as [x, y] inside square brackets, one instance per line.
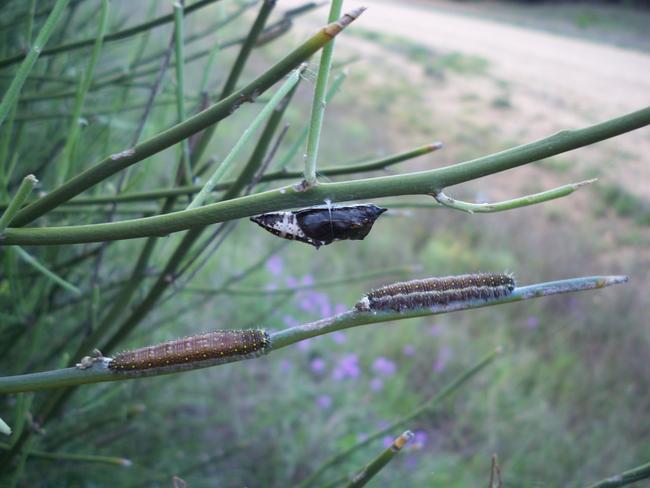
[321, 225]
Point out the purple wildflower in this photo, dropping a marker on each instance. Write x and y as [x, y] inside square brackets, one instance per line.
[409, 350]
[434, 330]
[532, 322]
[314, 301]
[388, 441]
[304, 345]
[420, 439]
[307, 280]
[376, 384]
[317, 365]
[383, 366]
[290, 281]
[410, 462]
[348, 367]
[275, 265]
[340, 308]
[285, 365]
[324, 401]
[290, 321]
[444, 355]
[339, 337]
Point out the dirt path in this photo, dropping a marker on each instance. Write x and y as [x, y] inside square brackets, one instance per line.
[588, 74]
[556, 81]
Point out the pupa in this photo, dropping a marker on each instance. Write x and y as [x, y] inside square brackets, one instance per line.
[323, 224]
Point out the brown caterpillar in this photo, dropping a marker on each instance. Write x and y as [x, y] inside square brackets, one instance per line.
[221, 346]
[428, 299]
[437, 291]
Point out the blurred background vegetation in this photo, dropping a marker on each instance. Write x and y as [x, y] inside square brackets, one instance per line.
[565, 405]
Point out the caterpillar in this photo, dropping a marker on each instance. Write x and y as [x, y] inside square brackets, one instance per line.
[425, 293]
[321, 225]
[221, 346]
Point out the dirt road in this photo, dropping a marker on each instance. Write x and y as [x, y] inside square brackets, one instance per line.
[557, 81]
[590, 74]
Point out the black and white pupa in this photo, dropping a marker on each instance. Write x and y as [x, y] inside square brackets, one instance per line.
[323, 224]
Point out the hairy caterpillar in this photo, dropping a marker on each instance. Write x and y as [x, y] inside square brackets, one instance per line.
[221, 346]
[321, 225]
[425, 293]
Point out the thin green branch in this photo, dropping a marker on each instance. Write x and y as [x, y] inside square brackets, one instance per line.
[423, 182]
[34, 263]
[99, 372]
[627, 477]
[84, 86]
[179, 37]
[6, 137]
[30, 22]
[194, 37]
[363, 477]
[349, 319]
[110, 79]
[67, 456]
[123, 34]
[318, 284]
[345, 169]
[427, 407]
[300, 140]
[245, 138]
[174, 135]
[35, 50]
[235, 72]
[25, 188]
[98, 113]
[318, 105]
[525, 201]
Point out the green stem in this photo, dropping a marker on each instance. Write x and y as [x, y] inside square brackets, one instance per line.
[179, 36]
[427, 407]
[318, 105]
[97, 113]
[235, 72]
[300, 141]
[34, 263]
[422, 182]
[25, 188]
[28, 61]
[245, 139]
[345, 169]
[30, 22]
[376, 465]
[100, 372]
[6, 138]
[84, 85]
[116, 36]
[319, 284]
[174, 135]
[631, 476]
[349, 319]
[534, 199]
[197, 36]
[66, 456]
